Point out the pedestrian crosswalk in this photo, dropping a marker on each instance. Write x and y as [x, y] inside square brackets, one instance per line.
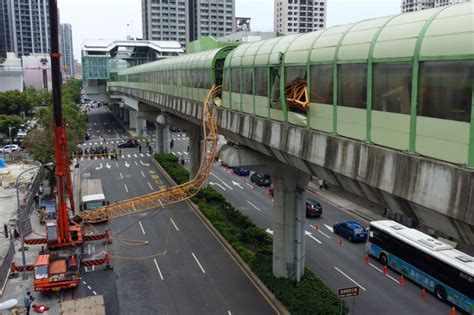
[123, 156]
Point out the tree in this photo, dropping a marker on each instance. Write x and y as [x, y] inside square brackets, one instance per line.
[39, 142]
[35, 97]
[71, 91]
[7, 121]
[14, 102]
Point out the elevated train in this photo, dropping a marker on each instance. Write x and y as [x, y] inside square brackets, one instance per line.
[404, 82]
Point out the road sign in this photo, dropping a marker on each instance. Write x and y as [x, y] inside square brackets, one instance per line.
[347, 292]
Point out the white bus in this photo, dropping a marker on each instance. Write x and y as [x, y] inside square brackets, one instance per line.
[432, 264]
[92, 195]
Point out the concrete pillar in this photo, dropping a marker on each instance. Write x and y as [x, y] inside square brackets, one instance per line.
[162, 138]
[288, 221]
[126, 115]
[195, 149]
[132, 119]
[141, 127]
[121, 110]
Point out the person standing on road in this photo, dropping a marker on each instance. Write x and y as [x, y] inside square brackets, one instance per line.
[139, 148]
[27, 299]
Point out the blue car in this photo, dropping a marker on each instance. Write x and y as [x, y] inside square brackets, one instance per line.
[352, 230]
[240, 171]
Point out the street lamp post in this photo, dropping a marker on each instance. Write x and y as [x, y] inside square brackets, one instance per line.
[20, 228]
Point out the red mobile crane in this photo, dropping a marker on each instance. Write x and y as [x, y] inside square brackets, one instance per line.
[58, 265]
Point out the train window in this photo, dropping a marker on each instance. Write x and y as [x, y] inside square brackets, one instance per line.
[295, 75]
[235, 80]
[322, 84]
[352, 85]
[207, 79]
[445, 90]
[392, 87]
[275, 86]
[261, 82]
[225, 85]
[247, 81]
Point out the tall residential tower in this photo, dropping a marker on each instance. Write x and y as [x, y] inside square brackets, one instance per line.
[65, 45]
[299, 16]
[24, 27]
[187, 20]
[417, 5]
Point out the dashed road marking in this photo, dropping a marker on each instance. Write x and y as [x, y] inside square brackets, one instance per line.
[203, 271]
[141, 226]
[126, 188]
[257, 208]
[174, 225]
[158, 268]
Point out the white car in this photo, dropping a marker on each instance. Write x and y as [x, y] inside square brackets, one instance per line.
[9, 148]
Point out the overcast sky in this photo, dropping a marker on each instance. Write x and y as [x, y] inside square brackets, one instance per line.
[108, 19]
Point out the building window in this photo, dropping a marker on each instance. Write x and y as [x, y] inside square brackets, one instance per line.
[322, 84]
[392, 87]
[352, 85]
[445, 90]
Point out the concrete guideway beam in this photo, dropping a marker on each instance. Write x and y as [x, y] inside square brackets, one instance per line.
[289, 217]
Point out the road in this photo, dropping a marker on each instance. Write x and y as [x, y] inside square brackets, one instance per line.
[338, 266]
[165, 261]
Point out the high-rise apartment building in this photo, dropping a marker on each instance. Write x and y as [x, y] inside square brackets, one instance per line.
[299, 16]
[187, 20]
[24, 26]
[417, 5]
[65, 47]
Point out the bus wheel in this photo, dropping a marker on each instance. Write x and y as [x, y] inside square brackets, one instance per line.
[383, 259]
[440, 293]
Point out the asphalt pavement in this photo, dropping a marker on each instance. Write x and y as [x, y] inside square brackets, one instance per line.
[165, 260]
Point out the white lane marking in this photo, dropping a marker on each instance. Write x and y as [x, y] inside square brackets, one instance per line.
[203, 271]
[381, 271]
[142, 173]
[148, 154]
[320, 231]
[158, 268]
[314, 238]
[121, 176]
[144, 164]
[221, 181]
[269, 231]
[217, 184]
[123, 156]
[89, 287]
[136, 163]
[186, 153]
[173, 153]
[84, 282]
[160, 202]
[116, 164]
[141, 226]
[258, 209]
[174, 225]
[129, 156]
[329, 228]
[249, 185]
[134, 155]
[149, 185]
[237, 184]
[229, 313]
[95, 293]
[350, 279]
[126, 188]
[126, 164]
[179, 153]
[141, 154]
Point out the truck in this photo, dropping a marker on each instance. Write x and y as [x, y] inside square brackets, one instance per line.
[92, 195]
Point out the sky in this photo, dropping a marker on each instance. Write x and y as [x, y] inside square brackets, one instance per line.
[116, 19]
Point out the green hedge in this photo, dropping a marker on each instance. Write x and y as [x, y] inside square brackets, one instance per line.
[309, 296]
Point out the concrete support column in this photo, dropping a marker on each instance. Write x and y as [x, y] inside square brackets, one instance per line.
[121, 110]
[126, 115]
[162, 138]
[141, 127]
[195, 149]
[288, 221]
[132, 119]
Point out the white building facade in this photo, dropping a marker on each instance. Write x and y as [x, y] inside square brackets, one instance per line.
[66, 49]
[299, 16]
[417, 5]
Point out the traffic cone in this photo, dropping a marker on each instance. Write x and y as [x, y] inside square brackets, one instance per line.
[402, 280]
[423, 294]
[366, 258]
[341, 242]
[385, 270]
[453, 311]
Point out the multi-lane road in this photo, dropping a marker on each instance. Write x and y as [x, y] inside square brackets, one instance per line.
[182, 269]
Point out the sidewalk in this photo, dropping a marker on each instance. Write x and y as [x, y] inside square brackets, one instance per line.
[347, 201]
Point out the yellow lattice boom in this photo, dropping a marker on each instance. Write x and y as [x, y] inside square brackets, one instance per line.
[173, 194]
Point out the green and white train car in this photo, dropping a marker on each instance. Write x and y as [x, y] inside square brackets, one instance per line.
[404, 82]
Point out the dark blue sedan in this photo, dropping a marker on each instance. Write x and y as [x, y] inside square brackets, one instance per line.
[240, 171]
[352, 230]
